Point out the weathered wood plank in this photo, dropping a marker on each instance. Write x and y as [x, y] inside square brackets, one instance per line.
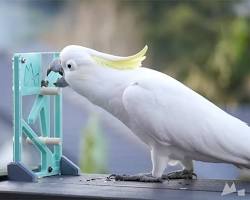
[96, 187]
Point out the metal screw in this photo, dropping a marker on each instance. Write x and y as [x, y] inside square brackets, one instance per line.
[50, 169]
[23, 60]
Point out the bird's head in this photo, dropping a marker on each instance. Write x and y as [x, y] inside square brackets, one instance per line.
[75, 59]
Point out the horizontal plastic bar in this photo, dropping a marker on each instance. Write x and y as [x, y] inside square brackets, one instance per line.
[46, 140]
[50, 91]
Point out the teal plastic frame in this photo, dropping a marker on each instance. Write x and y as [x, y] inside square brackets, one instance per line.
[27, 77]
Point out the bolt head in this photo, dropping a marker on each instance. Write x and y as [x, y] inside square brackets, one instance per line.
[50, 169]
[23, 60]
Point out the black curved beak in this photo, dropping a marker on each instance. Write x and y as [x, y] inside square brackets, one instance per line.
[56, 66]
[61, 82]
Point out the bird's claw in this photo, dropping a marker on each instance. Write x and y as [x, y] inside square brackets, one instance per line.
[110, 177]
[185, 174]
[139, 178]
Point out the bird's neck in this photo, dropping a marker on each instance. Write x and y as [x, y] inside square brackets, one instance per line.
[102, 86]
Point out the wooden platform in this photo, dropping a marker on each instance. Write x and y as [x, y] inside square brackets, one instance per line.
[96, 187]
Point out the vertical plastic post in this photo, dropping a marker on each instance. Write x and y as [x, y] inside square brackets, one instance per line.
[58, 123]
[45, 129]
[17, 101]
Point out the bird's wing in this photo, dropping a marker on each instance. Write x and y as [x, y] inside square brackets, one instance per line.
[173, 114]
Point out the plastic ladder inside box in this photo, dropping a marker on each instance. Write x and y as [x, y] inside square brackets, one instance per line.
[27, 78]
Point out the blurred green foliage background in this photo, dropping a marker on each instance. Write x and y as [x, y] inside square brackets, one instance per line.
[205, 44]
[93, 154]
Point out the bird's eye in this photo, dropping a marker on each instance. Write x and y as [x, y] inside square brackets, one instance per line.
[71, 65]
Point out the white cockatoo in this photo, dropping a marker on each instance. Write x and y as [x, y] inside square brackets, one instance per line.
[176, 123]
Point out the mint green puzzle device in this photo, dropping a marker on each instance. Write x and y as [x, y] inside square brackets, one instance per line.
[28, 80]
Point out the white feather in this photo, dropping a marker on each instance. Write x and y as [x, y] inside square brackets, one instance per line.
[180, 118]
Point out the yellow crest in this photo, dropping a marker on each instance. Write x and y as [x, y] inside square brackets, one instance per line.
[121, 63]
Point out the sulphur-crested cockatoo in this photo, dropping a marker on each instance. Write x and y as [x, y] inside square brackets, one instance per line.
[176, 123]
